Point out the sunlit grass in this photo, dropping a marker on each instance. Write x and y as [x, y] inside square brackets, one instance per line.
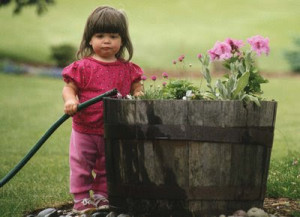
[284, 177]
[160, 30]
[29, 106]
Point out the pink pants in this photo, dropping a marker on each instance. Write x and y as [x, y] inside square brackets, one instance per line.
[87, 154]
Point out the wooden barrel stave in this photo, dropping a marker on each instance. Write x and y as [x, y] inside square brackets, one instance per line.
[152, 162]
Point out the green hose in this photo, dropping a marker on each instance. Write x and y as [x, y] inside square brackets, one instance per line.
[43, 139]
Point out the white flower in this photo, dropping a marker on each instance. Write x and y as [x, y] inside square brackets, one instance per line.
[189, 93]
[129, 97]
[184, 98]
[119, 96]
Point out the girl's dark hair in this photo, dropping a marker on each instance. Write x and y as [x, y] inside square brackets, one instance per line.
[106, 19]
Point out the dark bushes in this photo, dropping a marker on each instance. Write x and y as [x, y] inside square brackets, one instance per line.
[293, 56]
[63, 54]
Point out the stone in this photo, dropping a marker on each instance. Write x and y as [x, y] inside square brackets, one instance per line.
[112, 214]
[256, 212]
[100, 214]
[49, 212]
[240, 213]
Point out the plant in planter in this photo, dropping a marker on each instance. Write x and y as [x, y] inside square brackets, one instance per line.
[242, 82]
[192, 157]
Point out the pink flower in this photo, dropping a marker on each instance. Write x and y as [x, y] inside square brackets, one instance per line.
[174, 62]
[144, 77]
[259, 44]
[199, 56]
[165, 75]
[234, 44]
[213, 56]
[153, 78]
[164, 83]
[221, 51]
[181, 58]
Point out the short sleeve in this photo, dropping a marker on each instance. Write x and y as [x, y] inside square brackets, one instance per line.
[72, 73]
[135, 72]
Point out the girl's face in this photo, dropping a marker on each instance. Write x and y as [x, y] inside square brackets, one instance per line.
[106, 46]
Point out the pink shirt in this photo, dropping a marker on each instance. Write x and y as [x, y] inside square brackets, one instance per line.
[92, 78]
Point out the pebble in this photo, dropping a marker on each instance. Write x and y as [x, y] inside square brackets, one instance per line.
[112, 214]
[50, 212]
[256, 212]
[240, 213]
[100, 214]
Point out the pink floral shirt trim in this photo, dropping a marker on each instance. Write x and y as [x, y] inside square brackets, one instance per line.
[92, 78]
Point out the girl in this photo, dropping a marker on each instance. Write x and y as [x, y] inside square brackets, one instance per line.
[101, 67]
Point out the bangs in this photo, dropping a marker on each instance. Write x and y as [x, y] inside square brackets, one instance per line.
[108, 22]
[106, 19]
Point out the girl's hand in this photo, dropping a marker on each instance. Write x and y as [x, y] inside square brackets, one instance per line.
[70, 106]
[70, 98]
[138, 93]
[137, 89]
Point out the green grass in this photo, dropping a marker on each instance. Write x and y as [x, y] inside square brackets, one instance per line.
[160, 30]
[30, 105]
[284, 177]
[287, 137]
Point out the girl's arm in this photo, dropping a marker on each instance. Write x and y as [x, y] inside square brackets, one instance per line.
[69, 94]
[137, 89]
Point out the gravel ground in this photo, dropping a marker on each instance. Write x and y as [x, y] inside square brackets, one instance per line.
[273, 206]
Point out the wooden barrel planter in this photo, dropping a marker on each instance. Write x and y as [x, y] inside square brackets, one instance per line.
[187, 158]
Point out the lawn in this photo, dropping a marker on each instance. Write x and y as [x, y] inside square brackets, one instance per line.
[30, 105]
[160, 30]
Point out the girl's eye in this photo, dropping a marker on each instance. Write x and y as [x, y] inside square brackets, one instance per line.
[114, 36]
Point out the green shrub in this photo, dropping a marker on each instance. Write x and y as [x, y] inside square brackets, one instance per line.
[293, 56]
[63, 54]
[178, 89]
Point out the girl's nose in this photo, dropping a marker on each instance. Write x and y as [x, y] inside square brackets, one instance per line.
[106, 40]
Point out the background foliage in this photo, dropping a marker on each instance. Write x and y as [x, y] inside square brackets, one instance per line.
[160, 30]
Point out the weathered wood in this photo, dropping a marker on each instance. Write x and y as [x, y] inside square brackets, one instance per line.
[187, 158]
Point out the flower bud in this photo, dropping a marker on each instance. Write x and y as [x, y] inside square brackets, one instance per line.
[165, 75]
[153, 78]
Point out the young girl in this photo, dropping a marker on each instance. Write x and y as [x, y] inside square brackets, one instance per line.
[101, 67]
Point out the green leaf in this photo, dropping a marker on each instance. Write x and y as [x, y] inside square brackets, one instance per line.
[231, 83]
[206, 75]
[209, 95]
[241, 84]
[222, 89]
[247, 98]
